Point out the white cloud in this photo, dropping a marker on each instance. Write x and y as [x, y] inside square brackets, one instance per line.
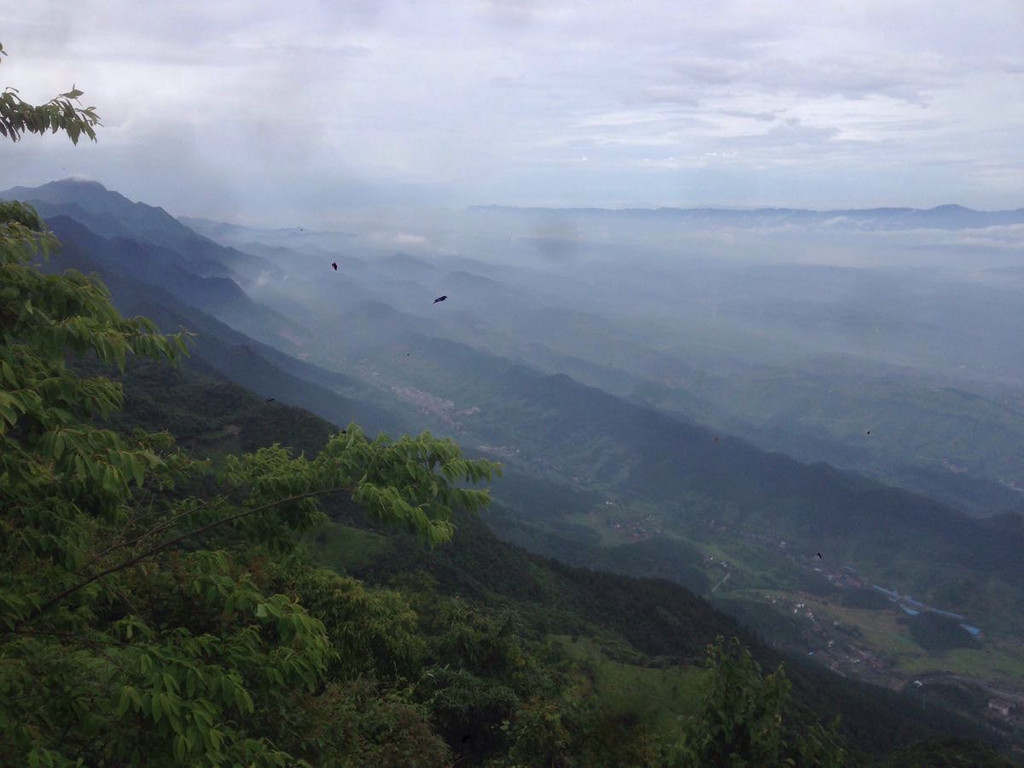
[739, 101]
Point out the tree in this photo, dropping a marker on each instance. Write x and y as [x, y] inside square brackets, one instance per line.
[136, 622]
[746, 720]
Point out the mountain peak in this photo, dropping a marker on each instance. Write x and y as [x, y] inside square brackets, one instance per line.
[85, 182]
[88, 193]
[950, 208]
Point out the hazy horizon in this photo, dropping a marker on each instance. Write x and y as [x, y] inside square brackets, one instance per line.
[288, 115]
[419, 214]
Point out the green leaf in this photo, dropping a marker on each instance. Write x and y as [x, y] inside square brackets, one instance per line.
[194, 737]
[124, 702]
[214, 738]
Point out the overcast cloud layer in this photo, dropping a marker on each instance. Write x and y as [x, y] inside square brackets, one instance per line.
[287, 112]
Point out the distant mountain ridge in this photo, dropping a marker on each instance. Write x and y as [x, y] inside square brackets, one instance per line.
[948, 216]
[112, 215]
[218, 347]
[157, 267]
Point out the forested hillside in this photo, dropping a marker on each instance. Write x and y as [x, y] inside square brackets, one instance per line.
[201, 634]
[541, 425]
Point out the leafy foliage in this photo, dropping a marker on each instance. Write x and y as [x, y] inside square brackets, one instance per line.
[362, 723]
[61, 113]
[745, 720]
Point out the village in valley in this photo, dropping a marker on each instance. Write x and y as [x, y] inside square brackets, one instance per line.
[852, 626]
[873, 644]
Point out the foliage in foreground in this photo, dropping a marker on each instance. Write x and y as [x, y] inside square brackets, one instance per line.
[746, 720]
[137, 622]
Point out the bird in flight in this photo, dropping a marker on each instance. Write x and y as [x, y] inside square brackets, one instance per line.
[869, 431]
[820, 557]
[334, 264]
[269, 400]
[440, 298]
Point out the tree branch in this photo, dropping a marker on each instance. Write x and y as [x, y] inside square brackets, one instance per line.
[65, 636]
[60, 596]
[155, 529]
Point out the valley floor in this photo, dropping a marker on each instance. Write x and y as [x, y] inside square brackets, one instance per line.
[982, 678]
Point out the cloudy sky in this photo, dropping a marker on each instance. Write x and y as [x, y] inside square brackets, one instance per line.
[284, 112]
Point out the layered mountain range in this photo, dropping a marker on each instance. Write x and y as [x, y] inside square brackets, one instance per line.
[635, 439]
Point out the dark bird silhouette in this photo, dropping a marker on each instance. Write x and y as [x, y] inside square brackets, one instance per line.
[440, 298]
[820, 557]
[269, 400]
[335, 265]
[869, 431]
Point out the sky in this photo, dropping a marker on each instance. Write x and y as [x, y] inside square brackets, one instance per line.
[287, 113]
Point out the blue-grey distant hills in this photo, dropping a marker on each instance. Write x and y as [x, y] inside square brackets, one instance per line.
[148, 244]
[112, 215]
[157, 267]
[940, 217]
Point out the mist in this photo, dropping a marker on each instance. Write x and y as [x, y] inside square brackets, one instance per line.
[801, 331]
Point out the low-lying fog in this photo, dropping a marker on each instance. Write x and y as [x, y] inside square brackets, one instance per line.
[785, 326]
